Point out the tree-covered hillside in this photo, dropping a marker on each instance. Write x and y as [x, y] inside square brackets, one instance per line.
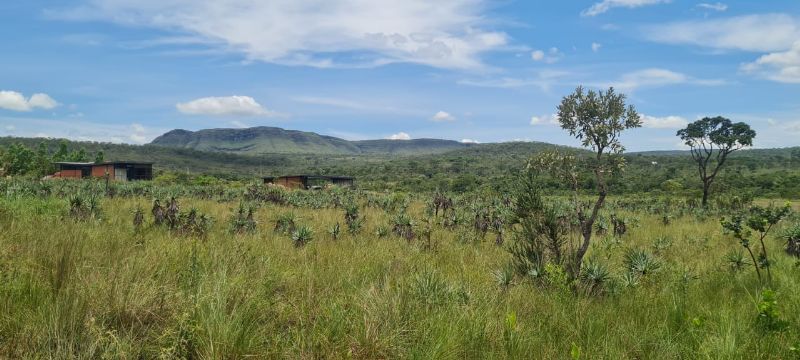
[763, 172]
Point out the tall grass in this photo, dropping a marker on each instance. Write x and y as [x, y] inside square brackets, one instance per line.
[92, 289]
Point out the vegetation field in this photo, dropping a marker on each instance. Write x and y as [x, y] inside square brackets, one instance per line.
[260, 272]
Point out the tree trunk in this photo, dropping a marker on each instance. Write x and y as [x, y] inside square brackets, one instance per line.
[586, 233]
[706, 188]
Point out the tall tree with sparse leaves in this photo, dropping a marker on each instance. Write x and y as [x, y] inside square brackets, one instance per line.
[711, 141]
[597, 119]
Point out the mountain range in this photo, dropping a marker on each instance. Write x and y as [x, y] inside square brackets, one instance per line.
[273, 140]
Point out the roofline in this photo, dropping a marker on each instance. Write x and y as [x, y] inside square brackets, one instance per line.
[311, 176]
[101, 163]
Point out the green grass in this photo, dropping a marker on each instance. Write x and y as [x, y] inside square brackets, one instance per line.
[93, 289]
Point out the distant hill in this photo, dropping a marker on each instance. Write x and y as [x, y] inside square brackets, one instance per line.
[273, 140]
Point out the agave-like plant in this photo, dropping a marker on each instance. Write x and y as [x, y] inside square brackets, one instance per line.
[792, 237]
[594, 275]
[286, 223]
[641, 262]
[334, 231]
[302, 235]
[138, 219]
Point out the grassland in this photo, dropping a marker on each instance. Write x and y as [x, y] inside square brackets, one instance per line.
[100, 288]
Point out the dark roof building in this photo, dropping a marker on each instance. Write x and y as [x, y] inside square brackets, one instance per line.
[115, 170]
[306, 182]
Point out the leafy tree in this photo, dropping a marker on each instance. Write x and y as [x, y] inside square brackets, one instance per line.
[79, 155]
[99, 157]
[711, 141]
[62, 154]
[18, 160]
[597, 118]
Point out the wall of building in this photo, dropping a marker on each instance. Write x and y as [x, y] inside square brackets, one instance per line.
[72, 174]
[290, 182]
[100, 171]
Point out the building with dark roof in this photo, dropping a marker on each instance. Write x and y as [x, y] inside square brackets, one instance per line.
[115, 170]
[306, 182]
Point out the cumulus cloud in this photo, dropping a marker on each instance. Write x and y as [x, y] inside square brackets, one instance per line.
[655, 77]
[399, 136]
[551, 56]
[606, 5]
[443, 116]
[781, 66]
[715, 6]
[15, 101]
[666, 122]
[224, 106]
[545, 120]
[320, 33]
[469, 141]
[596, 46]
[138, 134]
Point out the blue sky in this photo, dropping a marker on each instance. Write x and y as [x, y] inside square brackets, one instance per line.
[471, 70]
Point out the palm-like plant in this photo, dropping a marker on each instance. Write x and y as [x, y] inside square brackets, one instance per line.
[302, 236]
[641, 262]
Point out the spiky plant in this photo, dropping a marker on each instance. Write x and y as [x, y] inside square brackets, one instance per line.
[504, 277]
[640, 262]
[286, 223]
[302, 236]
[736, 260]
[334, 231]
[159, 213]
[404, 226]
[382, 231]
[792, 238]
[242, 221]
[594, 276]
[138, 219]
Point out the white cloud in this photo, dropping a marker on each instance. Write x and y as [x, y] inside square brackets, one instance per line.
[321, 33]
[399, 136]
[776, 34]
[759, 33]
[606, 5]
[238, 124]
[544, 80]
[12, 100]
[545, 120]
[666, 122]
[659, 77]
[551, 56]
[715, 6]
[222, 106]
[596, 46]
[82, 130]
[138, 134]
[442, 116]
[469, 141]
[778, 66]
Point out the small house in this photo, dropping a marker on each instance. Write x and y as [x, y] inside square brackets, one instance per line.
[307, 182]
[115, 170]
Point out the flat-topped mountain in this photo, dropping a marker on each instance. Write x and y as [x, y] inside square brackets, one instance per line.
[273, 140]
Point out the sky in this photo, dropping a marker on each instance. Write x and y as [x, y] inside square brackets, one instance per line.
[482, 71]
